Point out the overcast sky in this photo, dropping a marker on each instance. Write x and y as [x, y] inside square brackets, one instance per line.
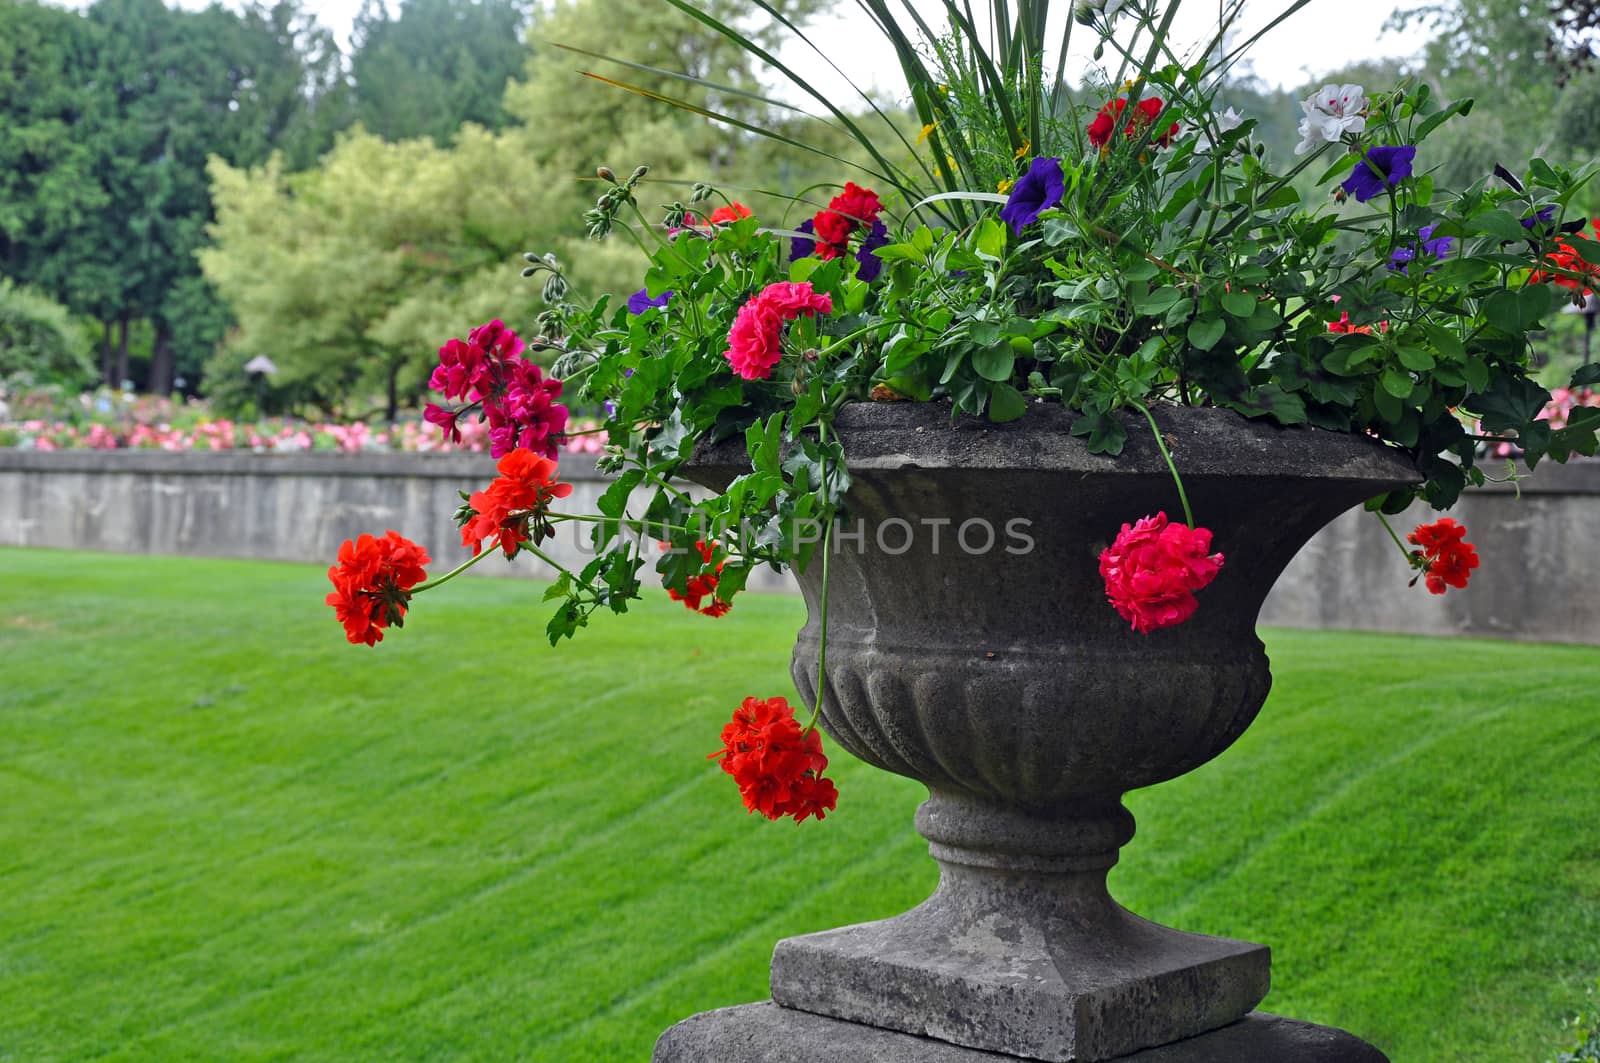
[1323, 36]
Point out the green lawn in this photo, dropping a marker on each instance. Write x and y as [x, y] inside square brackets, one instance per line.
[227, 834]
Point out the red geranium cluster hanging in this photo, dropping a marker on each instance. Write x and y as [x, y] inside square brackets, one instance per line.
[372, 584]
[1446, 558]
[777, 764]
[513, 508]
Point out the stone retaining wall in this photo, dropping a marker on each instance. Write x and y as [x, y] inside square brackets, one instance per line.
[1541, 554]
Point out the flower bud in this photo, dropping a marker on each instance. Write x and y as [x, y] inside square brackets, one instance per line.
[605, 173]
[639, 172]
[555, 288]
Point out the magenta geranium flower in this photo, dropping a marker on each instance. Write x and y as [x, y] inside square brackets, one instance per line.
[1152, 569]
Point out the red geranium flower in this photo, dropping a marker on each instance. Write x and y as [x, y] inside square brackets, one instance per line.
[513, 507]
[1153, 568]
[854, 208]
[731, 213]
[777, 765]
[1566, 257]
[755, 342]
[1146, 112]
[372, 584]
[1446, 558]
[702, 586]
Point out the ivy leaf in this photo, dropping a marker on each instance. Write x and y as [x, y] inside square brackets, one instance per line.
[613, 500]
[1106, 434]
[1511, 403]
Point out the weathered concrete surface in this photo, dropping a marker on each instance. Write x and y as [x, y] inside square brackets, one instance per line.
[1002, 680]
[278, 507]
[1538, 552]
[767, 1033]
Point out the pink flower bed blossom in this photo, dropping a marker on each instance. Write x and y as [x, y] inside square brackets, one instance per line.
[273, 436]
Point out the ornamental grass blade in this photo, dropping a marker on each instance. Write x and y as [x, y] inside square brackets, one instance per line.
[737, 123]
[890, 173]
[999, 90]
[931, 106]
[691, 79]
[784, 21]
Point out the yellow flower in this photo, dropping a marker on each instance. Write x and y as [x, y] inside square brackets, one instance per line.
[929, 128]
[1004, 187]
[1026, 146]
[950, 160]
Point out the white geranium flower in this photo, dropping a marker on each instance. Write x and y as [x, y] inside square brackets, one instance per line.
[1103, 11]
[1331, 112]
[1229, 119]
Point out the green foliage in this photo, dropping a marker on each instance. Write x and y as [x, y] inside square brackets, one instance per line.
[39, 341]
[109, 119]
[435, 65]
[349, 276]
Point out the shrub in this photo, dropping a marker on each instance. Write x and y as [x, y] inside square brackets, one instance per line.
[39, 343]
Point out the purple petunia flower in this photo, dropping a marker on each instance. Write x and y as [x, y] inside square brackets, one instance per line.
[1429, 248]
[1381, 167]
[640, 300]
[799, 248]
[1544, 216]
[1036, 191]
[869, 264]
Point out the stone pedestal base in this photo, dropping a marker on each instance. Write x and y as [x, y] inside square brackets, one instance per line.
[768, 1033]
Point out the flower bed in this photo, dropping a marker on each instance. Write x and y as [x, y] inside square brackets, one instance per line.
[115, 421]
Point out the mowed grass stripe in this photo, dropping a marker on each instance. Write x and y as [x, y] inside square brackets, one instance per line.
[227, 834]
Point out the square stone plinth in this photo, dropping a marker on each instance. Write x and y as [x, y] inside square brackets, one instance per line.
[768, 1033]
[1048, 982]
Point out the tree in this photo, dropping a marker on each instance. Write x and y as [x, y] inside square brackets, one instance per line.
[49, 186]
[349, 276]
[1575, 42]
[436, 65]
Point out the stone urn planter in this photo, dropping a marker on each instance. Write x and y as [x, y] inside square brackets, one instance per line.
[970, 647]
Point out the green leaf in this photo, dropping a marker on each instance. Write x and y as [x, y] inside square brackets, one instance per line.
[1006, 403]
[985, 332]
[1503, 310]
[1057, 231]
[1397, 383]
[1283, 197]
[995, 362]
[1204, 332]
[1511, 403]
[1106, 434]
[1586, 375]
[990, 239]
[1239, 304]
[1157, 302]
[615, 498]
[1498, 223]
[1415, 358]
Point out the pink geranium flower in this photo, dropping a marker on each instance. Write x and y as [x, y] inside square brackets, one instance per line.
[1153, 568]
[755, 342]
